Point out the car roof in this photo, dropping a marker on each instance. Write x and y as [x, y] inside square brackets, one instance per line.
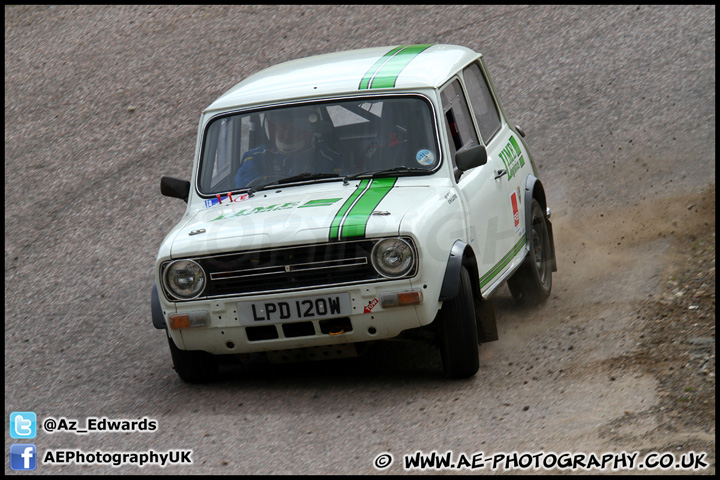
[350, 72]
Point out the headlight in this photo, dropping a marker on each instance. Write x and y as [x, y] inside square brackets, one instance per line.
[185, 279]
[393, 257]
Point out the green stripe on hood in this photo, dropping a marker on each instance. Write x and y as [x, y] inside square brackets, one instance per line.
[384, 72]
[335, 226]
[352, 218]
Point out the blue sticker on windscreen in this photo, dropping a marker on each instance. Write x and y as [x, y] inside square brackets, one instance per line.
[425, 157]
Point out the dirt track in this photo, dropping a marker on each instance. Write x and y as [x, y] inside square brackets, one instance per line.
[618, 103]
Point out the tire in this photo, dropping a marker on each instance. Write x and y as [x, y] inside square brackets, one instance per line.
[193, 366]
[458, 332]
[532, 282]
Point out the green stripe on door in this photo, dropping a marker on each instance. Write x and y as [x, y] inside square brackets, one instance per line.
[517, 151]
[384, 72]
[515, 146]
[488, 277]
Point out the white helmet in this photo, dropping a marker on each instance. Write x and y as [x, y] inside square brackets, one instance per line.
[301, 122]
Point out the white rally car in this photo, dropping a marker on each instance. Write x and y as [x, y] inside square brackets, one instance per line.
[351, 197]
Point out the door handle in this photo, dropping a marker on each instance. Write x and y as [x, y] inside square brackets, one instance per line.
[500, 173]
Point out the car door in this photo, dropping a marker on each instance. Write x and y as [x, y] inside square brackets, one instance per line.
[502, 144]
[484, 190]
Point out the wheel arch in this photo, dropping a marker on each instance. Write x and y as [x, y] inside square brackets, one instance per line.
[534, 189]
[462, 255]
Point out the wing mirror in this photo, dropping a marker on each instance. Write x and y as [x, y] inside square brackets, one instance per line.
[471, 158]
[175, 188]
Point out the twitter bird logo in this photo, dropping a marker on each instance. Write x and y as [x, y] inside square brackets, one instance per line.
[23, 424]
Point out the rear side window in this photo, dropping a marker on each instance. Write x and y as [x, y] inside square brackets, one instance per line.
[483, 105]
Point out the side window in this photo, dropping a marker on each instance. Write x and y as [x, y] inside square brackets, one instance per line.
[461, 132]
[486, 113]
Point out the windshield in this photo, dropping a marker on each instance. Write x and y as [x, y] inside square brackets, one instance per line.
[312, 142]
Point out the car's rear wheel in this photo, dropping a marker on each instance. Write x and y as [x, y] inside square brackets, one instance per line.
[193, 366]
[459, 341]
[532, 282]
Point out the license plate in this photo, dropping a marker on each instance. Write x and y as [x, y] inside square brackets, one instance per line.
[316, 307]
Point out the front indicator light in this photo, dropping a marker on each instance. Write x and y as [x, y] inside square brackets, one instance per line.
[188, 320]
[400, 299]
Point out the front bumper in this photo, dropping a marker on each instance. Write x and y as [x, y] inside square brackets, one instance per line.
[226, 334]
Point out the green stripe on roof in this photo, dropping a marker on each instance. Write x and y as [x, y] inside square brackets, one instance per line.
[384, 72]
[364, 83]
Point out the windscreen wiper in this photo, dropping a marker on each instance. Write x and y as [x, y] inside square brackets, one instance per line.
[301, 177]
[386, 171]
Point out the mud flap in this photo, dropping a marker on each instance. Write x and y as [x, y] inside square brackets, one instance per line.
[552, 244]
[485, 319]
[156, 310]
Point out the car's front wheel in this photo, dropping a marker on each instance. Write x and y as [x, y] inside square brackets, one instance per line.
[193, 366]
[458, 332]
[533, 280]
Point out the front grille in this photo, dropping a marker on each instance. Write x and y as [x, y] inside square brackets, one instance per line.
[290, 268]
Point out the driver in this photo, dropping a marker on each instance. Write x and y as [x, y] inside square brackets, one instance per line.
[295, 149]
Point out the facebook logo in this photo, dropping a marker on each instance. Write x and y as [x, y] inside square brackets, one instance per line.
[23, 456]
[23, 425]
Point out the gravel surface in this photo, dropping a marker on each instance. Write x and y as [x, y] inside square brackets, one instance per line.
[619, 106]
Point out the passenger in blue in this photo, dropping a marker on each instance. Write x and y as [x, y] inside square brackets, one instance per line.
[296, 148]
